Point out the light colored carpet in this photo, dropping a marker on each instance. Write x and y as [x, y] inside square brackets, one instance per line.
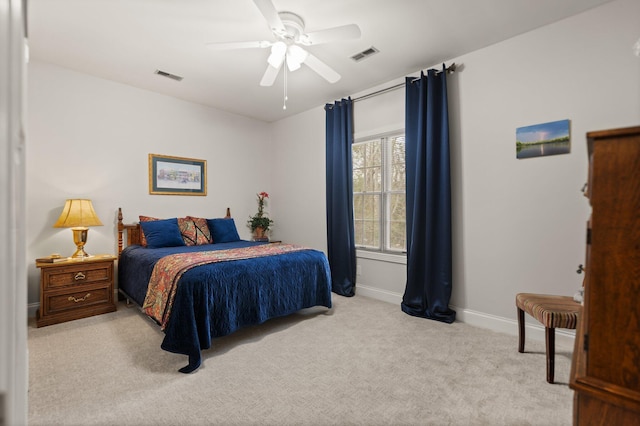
[364, 362]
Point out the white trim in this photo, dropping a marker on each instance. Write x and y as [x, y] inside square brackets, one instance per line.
[13, 272]
[379, 294]
[383, 257]
[510, 326]
[379, 132]
[478, 319]
[32, 308]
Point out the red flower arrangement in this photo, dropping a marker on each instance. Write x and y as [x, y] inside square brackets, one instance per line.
[260, 219]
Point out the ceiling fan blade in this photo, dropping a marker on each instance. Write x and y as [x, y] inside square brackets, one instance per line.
[239, 45]
[345, 32]
[270, 75]
[324, 70]
[270, 13]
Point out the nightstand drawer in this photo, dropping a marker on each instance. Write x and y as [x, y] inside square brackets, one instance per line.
[57, 303]
[77, 274]
[75, 289]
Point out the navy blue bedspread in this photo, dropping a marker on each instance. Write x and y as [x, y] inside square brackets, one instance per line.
[217, 299]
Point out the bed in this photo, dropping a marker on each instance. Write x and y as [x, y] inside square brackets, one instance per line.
[211, 285]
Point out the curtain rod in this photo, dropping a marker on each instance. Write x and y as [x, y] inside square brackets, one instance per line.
[450, 70]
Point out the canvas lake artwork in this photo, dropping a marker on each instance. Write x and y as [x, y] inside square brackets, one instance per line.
[543, 139]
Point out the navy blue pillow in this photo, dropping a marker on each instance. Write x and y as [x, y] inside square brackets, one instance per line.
[223, 230]
[162, 233]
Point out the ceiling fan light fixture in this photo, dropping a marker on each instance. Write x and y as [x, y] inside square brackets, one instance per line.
[295, 57]
[278, 52]
[289, 32]
[292, 64]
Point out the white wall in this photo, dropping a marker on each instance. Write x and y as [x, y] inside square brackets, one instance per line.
[91, 138]
[519, 225]
[299, 207]
[523, 221]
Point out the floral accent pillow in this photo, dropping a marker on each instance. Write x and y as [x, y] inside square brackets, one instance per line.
[143, 240]
[194, 230]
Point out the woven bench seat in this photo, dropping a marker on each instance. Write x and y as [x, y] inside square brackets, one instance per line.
[552, 312]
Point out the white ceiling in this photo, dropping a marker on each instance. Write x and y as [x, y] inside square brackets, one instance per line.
[127, 40]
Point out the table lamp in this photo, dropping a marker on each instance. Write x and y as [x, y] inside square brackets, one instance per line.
[78, 215]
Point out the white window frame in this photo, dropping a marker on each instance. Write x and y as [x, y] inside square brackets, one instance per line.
[384, 207]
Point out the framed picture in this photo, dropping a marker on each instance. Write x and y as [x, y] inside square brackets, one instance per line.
[177, 175]
[538, 140]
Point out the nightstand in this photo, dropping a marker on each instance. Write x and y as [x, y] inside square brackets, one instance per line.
[75, 289]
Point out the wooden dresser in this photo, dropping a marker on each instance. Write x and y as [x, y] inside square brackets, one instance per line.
[605, 373]
[75, 289]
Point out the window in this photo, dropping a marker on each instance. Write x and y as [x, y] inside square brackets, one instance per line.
[379, 194]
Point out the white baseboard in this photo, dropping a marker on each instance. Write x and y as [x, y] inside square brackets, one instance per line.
[479, 319]
[510, 326]
[31, 309]
[376, 293]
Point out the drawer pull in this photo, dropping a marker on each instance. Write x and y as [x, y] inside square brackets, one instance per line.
[79, 276]
[82, 299]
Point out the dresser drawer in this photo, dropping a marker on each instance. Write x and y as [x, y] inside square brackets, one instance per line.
[55, 303]
[77, 274]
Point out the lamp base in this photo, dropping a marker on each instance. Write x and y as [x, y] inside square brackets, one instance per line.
[80, 254]
[80, 238]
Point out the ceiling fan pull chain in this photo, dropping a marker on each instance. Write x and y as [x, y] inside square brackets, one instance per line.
[284, 103]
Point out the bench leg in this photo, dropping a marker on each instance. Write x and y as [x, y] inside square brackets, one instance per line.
[550, 335]
[520, 330]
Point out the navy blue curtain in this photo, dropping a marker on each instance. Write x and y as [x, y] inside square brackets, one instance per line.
[341, 248]
[428, 288]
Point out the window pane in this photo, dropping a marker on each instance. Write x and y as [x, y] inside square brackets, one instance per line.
[358, 206]
[358, 180]
[371, 233]
[374, 153]
[397, 172]
[397, 207]
[397, 222]
[372, 207]
[397, 149]
[373, 177]
[359, 235]
[397, 240]
[357, 155]
[367, 220]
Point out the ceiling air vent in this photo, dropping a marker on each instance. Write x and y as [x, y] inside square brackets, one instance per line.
[365, 54]
[168, 75]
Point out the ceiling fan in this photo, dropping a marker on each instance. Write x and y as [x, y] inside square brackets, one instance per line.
[288, 30]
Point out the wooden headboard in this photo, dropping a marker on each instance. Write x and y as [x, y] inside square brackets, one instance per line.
[134, 232]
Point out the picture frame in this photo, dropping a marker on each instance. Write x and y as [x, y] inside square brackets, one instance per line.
[169, 175]
[543, 139]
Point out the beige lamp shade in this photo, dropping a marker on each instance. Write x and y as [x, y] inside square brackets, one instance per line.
[78, 215]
